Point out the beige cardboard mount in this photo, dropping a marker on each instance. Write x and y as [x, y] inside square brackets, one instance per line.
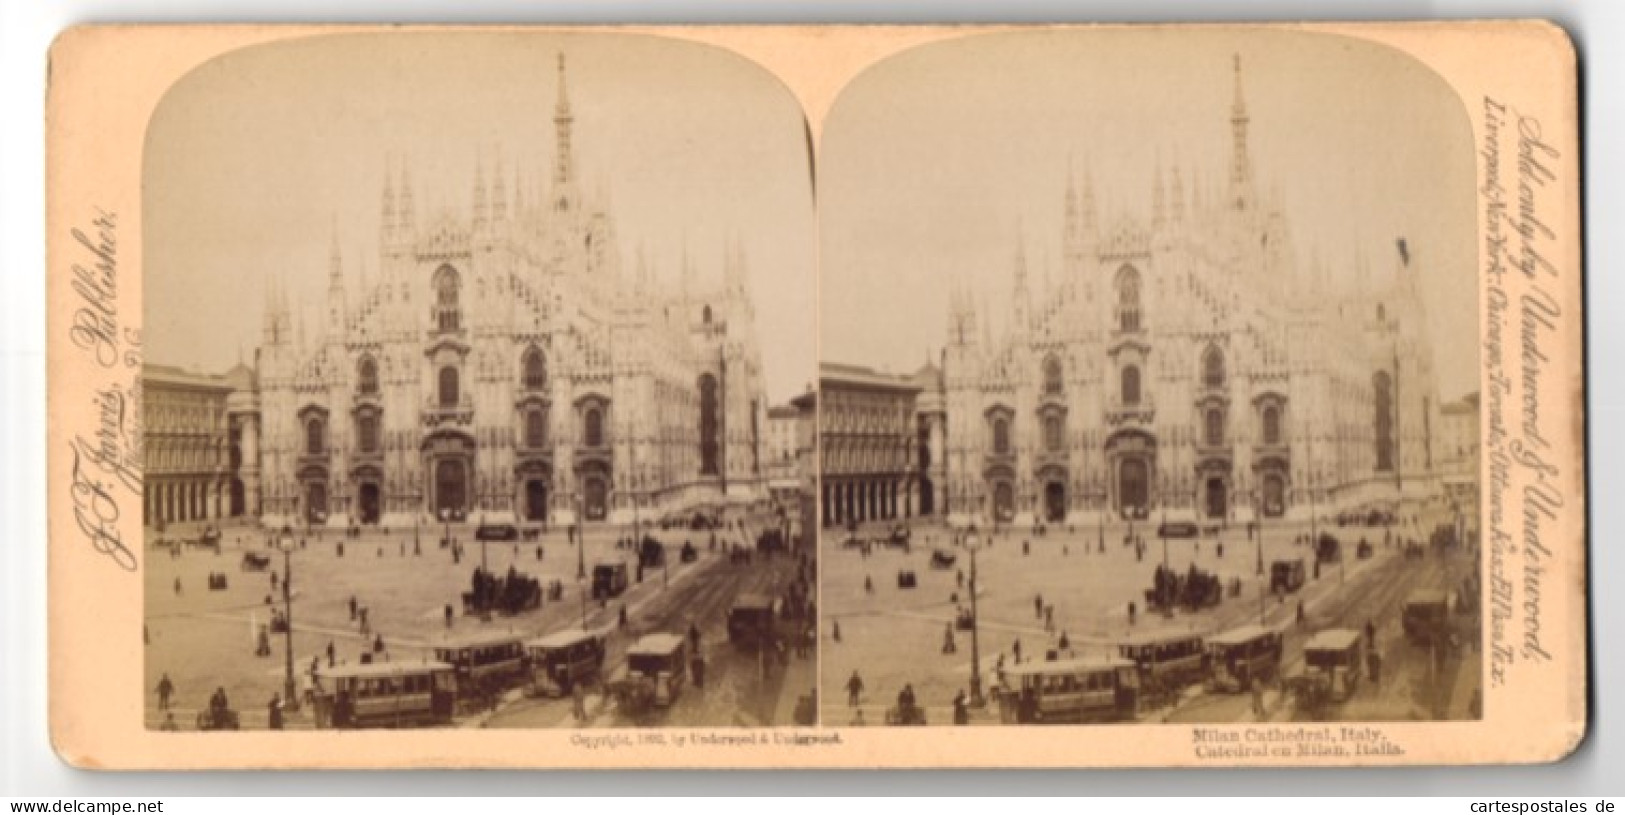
[1516, 82]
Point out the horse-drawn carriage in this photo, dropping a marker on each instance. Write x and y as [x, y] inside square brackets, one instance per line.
[1192, 591]
[218, 718]
[1328, 549]
[256, 562]
[943, 559]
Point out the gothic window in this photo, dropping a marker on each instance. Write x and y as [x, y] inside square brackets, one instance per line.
[535, 369]
[448, 310]
[315, 441]
[593, 430]
[448, 387]
[1052, 376]
[1272, 424]
[535, 428]
[1382, 421]
[367, 377]
[1215, 427]
[1128, 299]
[1213, 368]
[709, 426]
[1131, 385]
[1052, 432]
[367, 433]
[1001, 435]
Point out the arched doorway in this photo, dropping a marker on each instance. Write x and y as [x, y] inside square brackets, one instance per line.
[1004, 501]
[535, 500]
[1215, 497]
[315, 501]
[928, 498]
[450, 487]
[1133, 487]
[1055, 501]
[1274, 495]
[370, 502]
[239, 498]
[595, 489]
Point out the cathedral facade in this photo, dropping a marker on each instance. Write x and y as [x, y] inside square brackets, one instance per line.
[506, 366]
[1186, 366]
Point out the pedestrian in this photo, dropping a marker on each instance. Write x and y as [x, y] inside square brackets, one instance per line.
[694, 637]
[696, 669]
[948, 639]
[835, 632]
[1132, 610]
[177, 587]
[166, 689]
[273, 581]
[1038, 605]
[959, 578]
[578, 696]
[274, 711]
[1371, 635]
[961, 708]
[868, 584]
[352, 608]
[378, 644]
[854, 689]
[1015, 648]
[1064, 644]
[448, 614]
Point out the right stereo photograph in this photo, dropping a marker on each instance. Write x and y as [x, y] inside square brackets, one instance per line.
[1149, 385]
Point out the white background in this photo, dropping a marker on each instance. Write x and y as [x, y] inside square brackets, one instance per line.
[29, 767]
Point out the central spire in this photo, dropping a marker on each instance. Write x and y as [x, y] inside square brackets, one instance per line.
[563, 165]
[1241, 173]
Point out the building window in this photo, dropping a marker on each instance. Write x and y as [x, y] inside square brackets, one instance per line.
[448, 312]
[1272, 424]
[315, 437]
[535, 428]
[1131, 385]
[1215, 427]
[1213, 368]
[1052, 432]
[593, 427]
[1382, 420]
[1001, 435]
[535, 369]
[1052, 376]
[710, 426]
[367, 377]
[448, 387]
[1128, 299]
[367, 433]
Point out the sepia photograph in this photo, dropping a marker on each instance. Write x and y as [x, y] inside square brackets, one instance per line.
[1149, 385]
[478, 387]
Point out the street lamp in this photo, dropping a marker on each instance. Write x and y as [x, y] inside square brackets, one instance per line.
[288, 691]
[581, 539]
[976, 698]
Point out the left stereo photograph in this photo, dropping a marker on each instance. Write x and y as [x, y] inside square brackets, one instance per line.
[477, 387]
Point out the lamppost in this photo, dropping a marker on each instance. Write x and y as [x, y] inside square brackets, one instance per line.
[1258, 532]
[581, 539]
[976, 699]
[289, 693]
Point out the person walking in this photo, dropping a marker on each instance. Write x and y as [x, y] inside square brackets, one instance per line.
[854, 689]
[166, 689]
